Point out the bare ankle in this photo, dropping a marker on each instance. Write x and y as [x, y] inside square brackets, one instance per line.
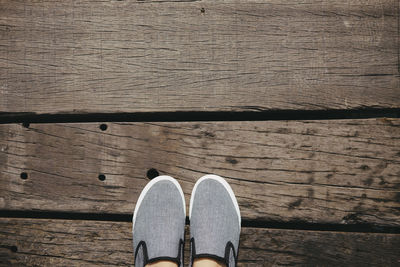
[162, 264]
[205, 262]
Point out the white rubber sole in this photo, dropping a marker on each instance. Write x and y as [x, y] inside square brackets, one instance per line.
[224, 183]
[147, 188]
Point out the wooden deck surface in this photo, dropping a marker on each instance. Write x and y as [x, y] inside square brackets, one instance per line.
[312, 192]
[86, 243]
[127, 56]
[315, 171]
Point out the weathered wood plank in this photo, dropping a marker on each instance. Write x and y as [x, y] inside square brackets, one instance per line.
[340, 171]
[93, 243]
[129, 56]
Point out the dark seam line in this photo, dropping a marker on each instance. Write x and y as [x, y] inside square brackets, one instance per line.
[359, 227]
[187, 116]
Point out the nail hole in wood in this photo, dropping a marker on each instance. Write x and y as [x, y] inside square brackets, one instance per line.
[103, 127]
[14, 248]
[24, 175]
[102, 177]
[152, 173]
[26, 124]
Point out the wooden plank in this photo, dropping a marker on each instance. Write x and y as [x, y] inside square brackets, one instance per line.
[339, 171]
[93, 243]
[129, 56]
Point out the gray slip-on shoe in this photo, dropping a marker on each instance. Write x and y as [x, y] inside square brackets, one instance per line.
[214, 221]
[159, 222]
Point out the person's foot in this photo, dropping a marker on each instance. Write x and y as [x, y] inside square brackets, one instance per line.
[214, 221]
[159, 223]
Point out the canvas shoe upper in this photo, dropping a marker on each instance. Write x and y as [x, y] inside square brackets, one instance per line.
[214, 221]
[159, 222]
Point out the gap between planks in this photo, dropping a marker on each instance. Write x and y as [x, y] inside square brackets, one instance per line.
[190, 116]
[110, 217]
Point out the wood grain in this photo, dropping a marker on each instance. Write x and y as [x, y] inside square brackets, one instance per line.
[137, 56]
[93, 243]
[333, 171]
